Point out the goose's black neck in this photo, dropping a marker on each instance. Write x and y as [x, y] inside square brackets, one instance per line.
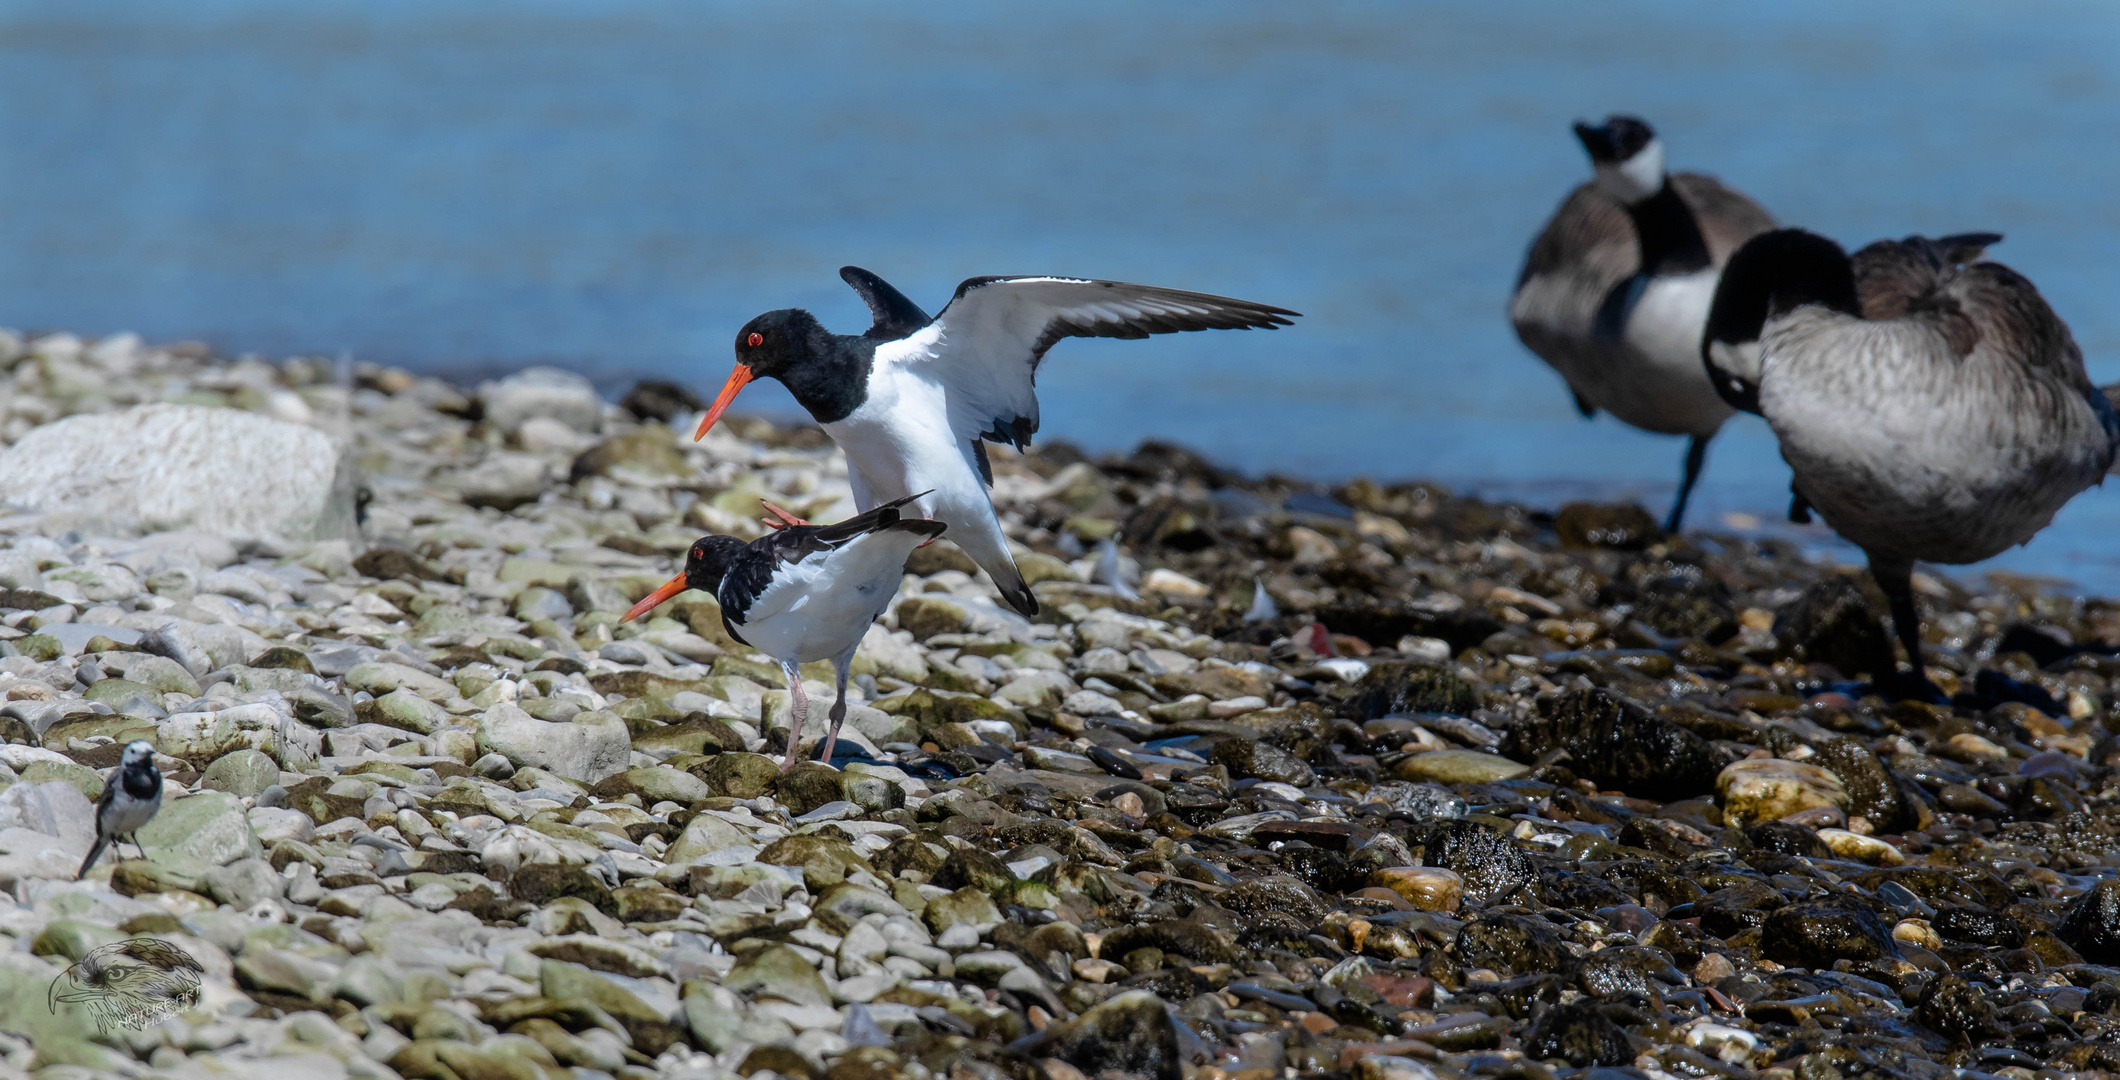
[830, 376]
[1670, 238]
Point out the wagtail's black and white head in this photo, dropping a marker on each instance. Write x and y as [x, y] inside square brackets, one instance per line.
[131, 796]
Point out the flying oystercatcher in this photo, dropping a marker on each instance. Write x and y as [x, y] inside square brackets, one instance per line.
[913, 399]
[1615, 291]
[1931, 405]
[804, 593]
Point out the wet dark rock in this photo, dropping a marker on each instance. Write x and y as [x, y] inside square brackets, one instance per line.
[2050, 798]
[1783, 838]
[1872, 794]
[1617, 745]
[1833, 623]
[1817, 933]
[1322, 869]
[1576, 891]
[1737, 907]
[1411, 686]
[1680, 600]
[1957, 1008]
[1611, 526]
[1579, 1035]
[1977, 926]
[1260, 760]
[1967, 886]
[1279, 894]
[1626, 968]
[1511, 944]
[1491, 864]
[1134, 1032]
[1191, 937]
[2092, 923]
[1383, 620]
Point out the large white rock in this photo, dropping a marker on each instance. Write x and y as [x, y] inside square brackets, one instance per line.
[542, 391]
[587, 748]
[155, 468]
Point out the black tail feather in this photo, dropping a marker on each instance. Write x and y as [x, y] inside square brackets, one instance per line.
[872, 520]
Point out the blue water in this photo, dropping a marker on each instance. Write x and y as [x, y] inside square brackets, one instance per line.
[617, 186]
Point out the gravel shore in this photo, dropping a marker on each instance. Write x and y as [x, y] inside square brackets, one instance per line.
[1373, 782]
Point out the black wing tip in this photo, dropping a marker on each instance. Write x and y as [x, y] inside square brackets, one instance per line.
[927, 527]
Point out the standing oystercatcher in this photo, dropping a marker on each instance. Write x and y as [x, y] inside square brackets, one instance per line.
[911, 400]
[1615, 291]
[804, 593]
[1931, 405]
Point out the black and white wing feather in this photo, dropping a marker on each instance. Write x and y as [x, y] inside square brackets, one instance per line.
[894, 315]
[986, 344]
[766, 563]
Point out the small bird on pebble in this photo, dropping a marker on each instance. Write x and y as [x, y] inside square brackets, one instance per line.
[131, 798]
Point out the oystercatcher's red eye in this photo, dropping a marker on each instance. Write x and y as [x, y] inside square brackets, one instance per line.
[756, 340]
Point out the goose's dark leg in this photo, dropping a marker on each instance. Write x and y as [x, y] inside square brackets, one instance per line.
[1696, 454]
[1896, 577]
[1799, 507]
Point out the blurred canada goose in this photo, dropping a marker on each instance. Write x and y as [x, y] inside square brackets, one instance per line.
[1615, 291]
[1931, 405]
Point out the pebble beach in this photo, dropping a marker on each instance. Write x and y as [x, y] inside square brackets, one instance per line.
[1374, 782]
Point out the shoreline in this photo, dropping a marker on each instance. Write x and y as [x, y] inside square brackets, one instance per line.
[1544, 788]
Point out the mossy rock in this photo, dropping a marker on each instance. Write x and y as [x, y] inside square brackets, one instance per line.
[929, 708]
[758, 671]
[117, 692]
[740, 776]
[287, 658]
[809, 785]
[696, 734]
[825, 860]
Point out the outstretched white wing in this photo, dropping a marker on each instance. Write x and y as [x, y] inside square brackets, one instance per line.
[984, 347]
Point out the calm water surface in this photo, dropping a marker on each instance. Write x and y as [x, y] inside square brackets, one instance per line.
[618, 186]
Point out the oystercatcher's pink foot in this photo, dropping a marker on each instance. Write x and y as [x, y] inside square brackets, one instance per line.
[784, 519]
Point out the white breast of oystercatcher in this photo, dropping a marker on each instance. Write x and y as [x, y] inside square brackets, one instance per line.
[804, 593]
[913, 400]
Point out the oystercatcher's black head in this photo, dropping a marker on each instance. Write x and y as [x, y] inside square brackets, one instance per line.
[705, 565]
[768, 347]
[1773, 274]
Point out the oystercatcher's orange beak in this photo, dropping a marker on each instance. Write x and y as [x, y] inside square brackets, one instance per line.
[737, 380]
[655, 599]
